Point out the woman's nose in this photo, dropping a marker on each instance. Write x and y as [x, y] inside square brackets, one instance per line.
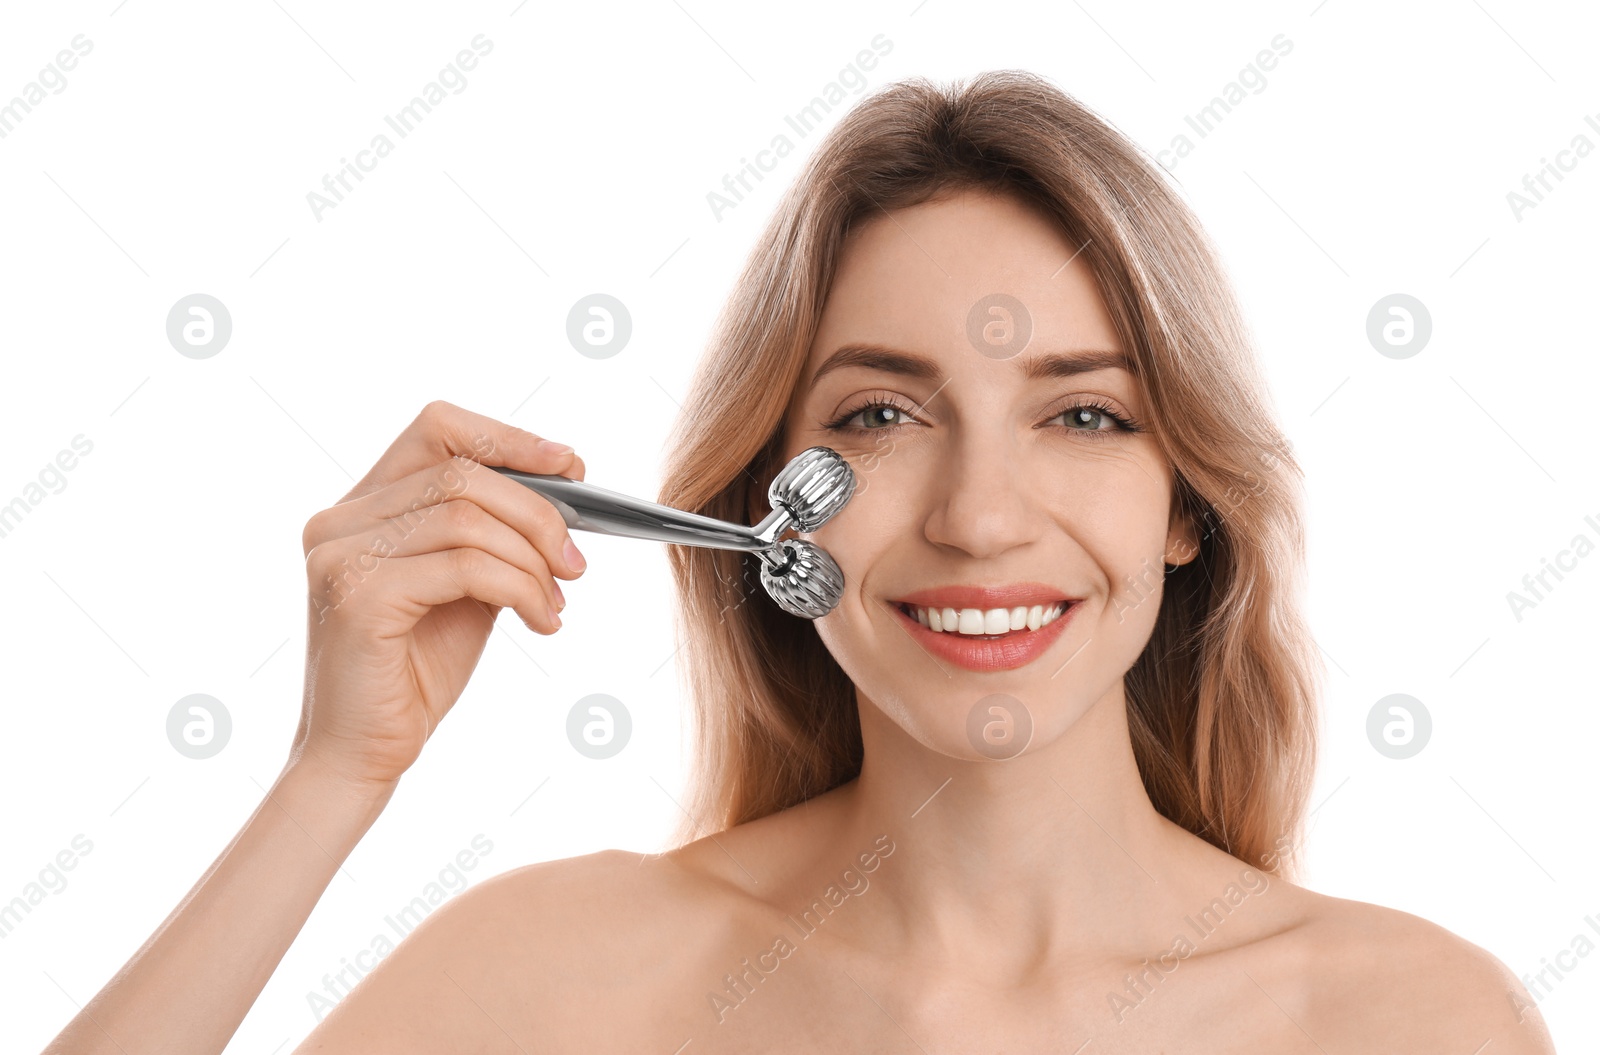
[983, 502]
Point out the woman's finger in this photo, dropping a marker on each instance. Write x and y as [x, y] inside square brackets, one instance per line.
[455, 524]
[443, 430]
[414, 584]
[394, 512]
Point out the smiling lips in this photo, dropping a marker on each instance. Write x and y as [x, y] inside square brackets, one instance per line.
[986, 628]
[1016, 648]
[987, 598]
[993, 622]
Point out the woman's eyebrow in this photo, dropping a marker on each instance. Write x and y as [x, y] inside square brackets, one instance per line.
[909, 364]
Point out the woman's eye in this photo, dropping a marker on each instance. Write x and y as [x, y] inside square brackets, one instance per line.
[1091, 417]
[880, 416]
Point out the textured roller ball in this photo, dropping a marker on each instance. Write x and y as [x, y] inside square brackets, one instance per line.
[806, 582]
[813, 487]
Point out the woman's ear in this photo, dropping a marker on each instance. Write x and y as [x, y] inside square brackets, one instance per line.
[1183, 540]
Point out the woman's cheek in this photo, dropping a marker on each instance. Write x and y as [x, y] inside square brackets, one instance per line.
[1136, 593]
[868, 457]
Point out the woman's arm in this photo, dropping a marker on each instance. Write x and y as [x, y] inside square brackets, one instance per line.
[407, 574]
[225, 938]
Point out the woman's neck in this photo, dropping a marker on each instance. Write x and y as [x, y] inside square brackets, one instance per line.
[1002, 865]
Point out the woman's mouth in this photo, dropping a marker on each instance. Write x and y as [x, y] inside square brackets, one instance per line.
[985, 624]
[962, 636]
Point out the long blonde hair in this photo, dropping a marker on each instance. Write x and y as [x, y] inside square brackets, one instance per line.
[1222, 703]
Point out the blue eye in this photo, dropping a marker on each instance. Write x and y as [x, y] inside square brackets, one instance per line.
[1089, 412]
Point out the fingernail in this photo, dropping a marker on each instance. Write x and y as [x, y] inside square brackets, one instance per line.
[552, 447]
[574, 558]
[561, 598]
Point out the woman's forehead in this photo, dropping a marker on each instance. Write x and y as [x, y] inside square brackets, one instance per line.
[981, 274]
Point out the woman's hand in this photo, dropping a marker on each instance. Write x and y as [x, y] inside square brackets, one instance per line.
[406, 576]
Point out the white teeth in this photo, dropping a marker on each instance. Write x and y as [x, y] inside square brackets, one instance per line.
[975, 621]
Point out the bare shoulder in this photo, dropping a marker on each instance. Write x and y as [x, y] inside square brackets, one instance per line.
[1374, 978]
[536, 954]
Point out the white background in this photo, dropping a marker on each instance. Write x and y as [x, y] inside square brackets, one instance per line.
[578, 159]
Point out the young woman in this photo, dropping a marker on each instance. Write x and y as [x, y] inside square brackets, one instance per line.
[1035, 784]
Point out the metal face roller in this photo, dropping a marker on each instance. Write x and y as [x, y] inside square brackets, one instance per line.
[798, 575]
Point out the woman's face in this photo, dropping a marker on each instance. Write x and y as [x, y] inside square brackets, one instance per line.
[976, 475]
